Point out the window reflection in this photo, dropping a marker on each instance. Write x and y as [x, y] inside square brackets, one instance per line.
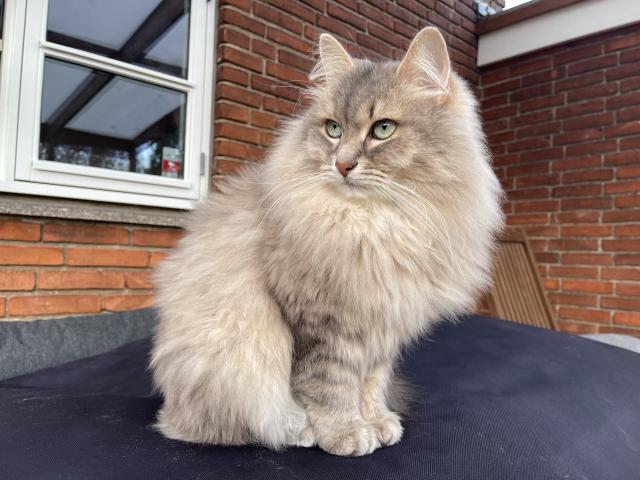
[95, 118]
[150, 33]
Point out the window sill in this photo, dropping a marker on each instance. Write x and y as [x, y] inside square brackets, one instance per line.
[11, 204]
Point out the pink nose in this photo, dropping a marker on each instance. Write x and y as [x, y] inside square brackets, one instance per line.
[345, 167]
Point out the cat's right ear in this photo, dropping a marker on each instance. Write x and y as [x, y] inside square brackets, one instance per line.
[426, 63]
[334, 60]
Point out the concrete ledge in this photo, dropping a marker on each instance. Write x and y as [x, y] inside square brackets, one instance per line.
[28, 206]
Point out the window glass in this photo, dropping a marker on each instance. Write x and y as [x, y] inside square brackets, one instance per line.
[99, 119]
[1, 16]
[149, 33]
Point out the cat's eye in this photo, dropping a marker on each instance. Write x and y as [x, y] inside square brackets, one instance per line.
[333, 128]
[383, 129]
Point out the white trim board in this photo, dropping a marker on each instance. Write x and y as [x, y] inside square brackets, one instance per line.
[558, 26]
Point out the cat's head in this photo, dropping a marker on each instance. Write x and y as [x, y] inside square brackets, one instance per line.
[370, 124]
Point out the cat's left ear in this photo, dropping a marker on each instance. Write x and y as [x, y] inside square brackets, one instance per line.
[426, 63]
[334, 60]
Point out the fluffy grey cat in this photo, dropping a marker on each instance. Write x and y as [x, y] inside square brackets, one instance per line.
[287, 302]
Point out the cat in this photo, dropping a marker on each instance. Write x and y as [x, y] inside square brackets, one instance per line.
[297, 284]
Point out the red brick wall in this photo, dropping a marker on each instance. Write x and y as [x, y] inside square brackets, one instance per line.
[265, 53]
[50, 268]
[564, 126]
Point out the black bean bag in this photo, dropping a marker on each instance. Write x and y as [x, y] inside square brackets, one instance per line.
[496, 400]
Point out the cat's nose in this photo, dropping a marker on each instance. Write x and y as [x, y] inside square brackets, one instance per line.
[345, 167]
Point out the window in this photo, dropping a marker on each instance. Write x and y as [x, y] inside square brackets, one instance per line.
[106, 100]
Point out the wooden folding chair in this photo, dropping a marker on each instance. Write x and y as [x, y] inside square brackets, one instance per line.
[517, 293]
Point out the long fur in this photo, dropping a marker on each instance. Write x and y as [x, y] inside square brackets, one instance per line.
[285, 306]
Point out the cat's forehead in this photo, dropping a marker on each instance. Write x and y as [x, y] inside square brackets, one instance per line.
[368, 91]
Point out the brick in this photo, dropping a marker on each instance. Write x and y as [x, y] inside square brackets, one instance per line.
[295, 8]
[531, 118]
[577, 191]
[628, 172]
[535, 180]
[528, 193]
[156, 257]
[579, 216]
[622, 216]
[276, 16]
[537, 206]
[545, 231]
[508, 86]
[621, 43]
[264, 120]
[592, 91]
[596, 203]
[80, 280]
[577, 109]
[13, 280]
[627, 318]
[233, 75]
[543, 77]
[598, 175]
[573, 299]
[375, 14]
[621, 245]
[628, 114]
[237, 132]
[263, 49]
[537, 103]
[541, 90]
[623, 158]
[586, 121]
[234, 37]
[494, 75]
[628, 289]
[579, 136]
[544, 154]
[3, 305]
[621, 303]
[156, 238]
[621, 273]
[622, 187]
[139, 280]
[590, 149]
[587, 286]
[623, 71]
[27, 255]
[528, 169]
[237, 94]
[238, 19]
[241, 58]
[402, 14]
[578, 53]
[625, 259]
[579, 81]
[576, 328]
[623, 101]
[346, 16]
[10, 230]
[592, 64]
[630, 128]
[576, 163]
[574, 272]
[586, 259]
[121, 303]
[231, 111]
[295, 60]
[107, 257]
[528, 144]
[540, 129]
[630, 84]
[286, 39]
[587, 231]
[533, 219]
[85, 233]
[283, 72]
[501, 112]
[632, 143]
[628, 201]
[622, 330]
[530, 66]
[628, 231]
[584, 315]
[53, 305]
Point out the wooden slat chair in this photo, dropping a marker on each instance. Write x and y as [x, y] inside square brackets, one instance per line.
[517, 293]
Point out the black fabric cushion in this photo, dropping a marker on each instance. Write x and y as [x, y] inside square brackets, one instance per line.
[497, 401]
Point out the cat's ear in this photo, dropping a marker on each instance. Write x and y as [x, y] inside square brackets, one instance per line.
[426, 63]
[334, 59]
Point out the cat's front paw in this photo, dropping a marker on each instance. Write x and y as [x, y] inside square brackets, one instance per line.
[350, 441]
[388, 428]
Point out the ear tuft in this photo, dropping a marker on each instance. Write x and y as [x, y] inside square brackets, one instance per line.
[334, 60]
[426, 63]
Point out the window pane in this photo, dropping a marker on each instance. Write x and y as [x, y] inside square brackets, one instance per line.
[150, 33]
[1, 16]
[95, 118]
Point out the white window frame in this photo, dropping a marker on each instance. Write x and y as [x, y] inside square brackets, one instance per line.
[24, 48]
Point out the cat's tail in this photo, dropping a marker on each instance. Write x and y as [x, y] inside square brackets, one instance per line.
[225, 376]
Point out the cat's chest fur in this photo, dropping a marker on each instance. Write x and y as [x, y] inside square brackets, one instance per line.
[356, 264]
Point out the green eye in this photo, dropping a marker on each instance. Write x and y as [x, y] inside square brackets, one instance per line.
[383, 129]
[334, 130]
